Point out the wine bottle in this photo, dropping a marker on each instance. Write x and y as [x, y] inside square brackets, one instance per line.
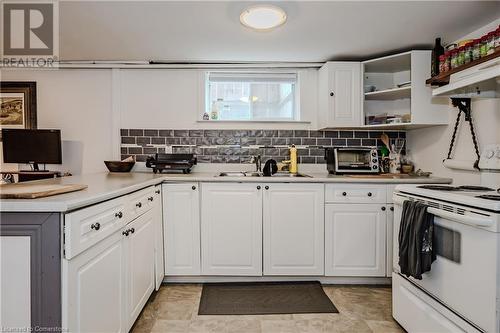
[436, 52]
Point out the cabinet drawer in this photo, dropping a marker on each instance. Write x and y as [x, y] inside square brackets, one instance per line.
[85, 227]
[355, 193]
[140, 202]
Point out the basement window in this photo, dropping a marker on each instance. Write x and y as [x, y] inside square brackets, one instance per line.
[251, 97]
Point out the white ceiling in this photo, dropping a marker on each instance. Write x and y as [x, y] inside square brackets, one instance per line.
[210, 31]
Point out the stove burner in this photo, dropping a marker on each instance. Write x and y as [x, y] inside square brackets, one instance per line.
[474, 188]
[439, 187]
[495, 197]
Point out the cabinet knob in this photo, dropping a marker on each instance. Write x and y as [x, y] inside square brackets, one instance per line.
[132, 230]
[119, 215]
[157, 191]
[267, 187]
[392, 209]
[369, 194]
[258, 187]
[150, 198]
[383, 208]
[96, 226]
[125, 233]
[139, 204]
[193, 188]
[332, 94]
[344, 194]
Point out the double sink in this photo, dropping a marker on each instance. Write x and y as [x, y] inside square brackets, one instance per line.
[259, 174]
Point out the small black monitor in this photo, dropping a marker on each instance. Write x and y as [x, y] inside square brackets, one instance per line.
[32, 146]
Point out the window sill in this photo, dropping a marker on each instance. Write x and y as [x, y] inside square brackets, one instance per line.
[255, 121]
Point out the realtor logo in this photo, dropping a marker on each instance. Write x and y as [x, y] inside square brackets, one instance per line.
[30, 34]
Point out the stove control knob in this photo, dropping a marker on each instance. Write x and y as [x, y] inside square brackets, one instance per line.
[489, 153]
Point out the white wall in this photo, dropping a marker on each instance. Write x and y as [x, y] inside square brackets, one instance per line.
[429, 146]
[79, 103]
[90, 106]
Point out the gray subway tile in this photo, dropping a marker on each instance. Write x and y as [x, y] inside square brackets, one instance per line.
[324, 142]
[187, 141]
[256, 133]
[346, 134]
[151, 132]
[123, 132]
[301, 134]
[316, 134]
[369, 142]
[263, 141]
[135, 150]
[165, 133]
[181, 133]
[285, 133]
[270, 133]
[149, 150]
[210, 133]
[158, 141]
[143, 140]
[294, 141]
[271, 151]
[307, 160]
[360, 134]
[172, 141]
[278, 141]
[141, 158]
[248, 141]
[331, 134]
[339, 142]
[309, 142]
[123, 150]
[203, 159]
[128, 139]
[320, 160]
[135, 132]
[375, 134]
[196, 133]
[353, 142]
[316, 152]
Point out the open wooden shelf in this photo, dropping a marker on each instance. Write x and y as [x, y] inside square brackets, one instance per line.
[389, 94]
[444, 78]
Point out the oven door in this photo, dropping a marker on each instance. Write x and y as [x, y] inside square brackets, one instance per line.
[464, 276]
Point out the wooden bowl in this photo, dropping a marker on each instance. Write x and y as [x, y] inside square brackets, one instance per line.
[119, 166]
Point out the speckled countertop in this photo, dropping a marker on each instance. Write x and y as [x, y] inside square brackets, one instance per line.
[104, 186]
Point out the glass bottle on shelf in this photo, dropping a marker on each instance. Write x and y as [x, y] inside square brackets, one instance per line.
[476, 49]
[460, 56]
[490, 43]
[454, 60]
[446, 61]
[484, 47]
[468, 53]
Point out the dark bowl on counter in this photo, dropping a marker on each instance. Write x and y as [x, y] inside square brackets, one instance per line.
[119, 166]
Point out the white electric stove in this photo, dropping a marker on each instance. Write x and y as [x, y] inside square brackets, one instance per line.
[461, 292]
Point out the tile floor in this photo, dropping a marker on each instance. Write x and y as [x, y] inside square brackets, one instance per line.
[361, 309]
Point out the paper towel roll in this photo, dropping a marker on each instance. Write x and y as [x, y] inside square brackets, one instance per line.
[459, 164]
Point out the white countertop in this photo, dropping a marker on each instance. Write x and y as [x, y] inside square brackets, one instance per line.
[104, 186]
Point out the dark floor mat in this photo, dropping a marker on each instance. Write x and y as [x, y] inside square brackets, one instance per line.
[264, 298]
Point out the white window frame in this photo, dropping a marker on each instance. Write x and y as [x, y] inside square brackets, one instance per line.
[205, 107]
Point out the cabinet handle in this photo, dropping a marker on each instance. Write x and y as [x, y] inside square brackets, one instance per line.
[150, 198]
[194, 187]
[369, 194]
[157, 191]
[344, 193]
[392, 209]
[132, 230]
[267, 187]
[383, 208]
[138, 204]
[96, 226]
[332, 94]
[258, 187]
[119, 215]
[125, 233]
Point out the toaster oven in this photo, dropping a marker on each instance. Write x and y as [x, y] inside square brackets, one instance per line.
[345, 160]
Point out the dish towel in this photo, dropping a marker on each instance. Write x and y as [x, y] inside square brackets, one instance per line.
[416, 236]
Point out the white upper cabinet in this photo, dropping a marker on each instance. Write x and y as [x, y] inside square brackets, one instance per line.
[340, 95]
[231, 229]
[355, 239]
[293, 229]
[181, 227]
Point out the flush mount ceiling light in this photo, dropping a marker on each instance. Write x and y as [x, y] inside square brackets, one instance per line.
[263, 17]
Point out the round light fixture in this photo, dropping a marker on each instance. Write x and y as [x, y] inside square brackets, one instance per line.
[263, 17]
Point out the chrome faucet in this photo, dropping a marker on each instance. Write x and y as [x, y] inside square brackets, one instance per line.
[258, 162]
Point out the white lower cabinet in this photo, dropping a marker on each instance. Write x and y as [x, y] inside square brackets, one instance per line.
[355, 239]
[140, 251]
[181, 227]
[293, 222]
[231, 229]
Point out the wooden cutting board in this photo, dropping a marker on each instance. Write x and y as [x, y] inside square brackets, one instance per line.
[33, 191]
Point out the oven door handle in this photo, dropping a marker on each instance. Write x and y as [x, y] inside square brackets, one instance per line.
[465, 219]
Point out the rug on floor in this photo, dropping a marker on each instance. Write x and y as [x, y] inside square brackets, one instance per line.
[260, 298]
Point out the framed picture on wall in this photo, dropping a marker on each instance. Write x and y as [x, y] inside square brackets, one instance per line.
[17, 104]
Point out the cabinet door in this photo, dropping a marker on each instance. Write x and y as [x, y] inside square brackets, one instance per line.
[140, 250]
[231, 229]
[355, 241]
[341, 94]
[181, 226]
[95, 288]
[293, 229]
[158, 222]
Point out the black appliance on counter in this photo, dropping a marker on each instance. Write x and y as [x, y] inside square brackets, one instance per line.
[180, 162]
[345, 160]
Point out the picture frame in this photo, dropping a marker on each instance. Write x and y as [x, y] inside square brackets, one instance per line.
[18, 104]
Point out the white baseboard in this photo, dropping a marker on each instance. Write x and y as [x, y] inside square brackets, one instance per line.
[321, 279]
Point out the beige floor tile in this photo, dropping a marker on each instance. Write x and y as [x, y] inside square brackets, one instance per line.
[344, 324]
[207, 326]
[279, 326]
[239, 325]
[176, 310]
[143, 325]
[170, 326]
[384, 326]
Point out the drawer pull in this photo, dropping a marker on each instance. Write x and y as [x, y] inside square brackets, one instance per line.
[258, 187]
[344, 193]
[392, 209]
[193, 187]
[150, 198]
[369, 194]
[157, 191]
[383, 208]
[267, 187]
[96, 226]
[125, 233]
[119, 215]
[139, 204]
[132, 230]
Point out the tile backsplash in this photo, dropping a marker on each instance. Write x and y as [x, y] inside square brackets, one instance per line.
[236, 146]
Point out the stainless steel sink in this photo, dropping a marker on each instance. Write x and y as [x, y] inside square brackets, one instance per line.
[259, 174]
